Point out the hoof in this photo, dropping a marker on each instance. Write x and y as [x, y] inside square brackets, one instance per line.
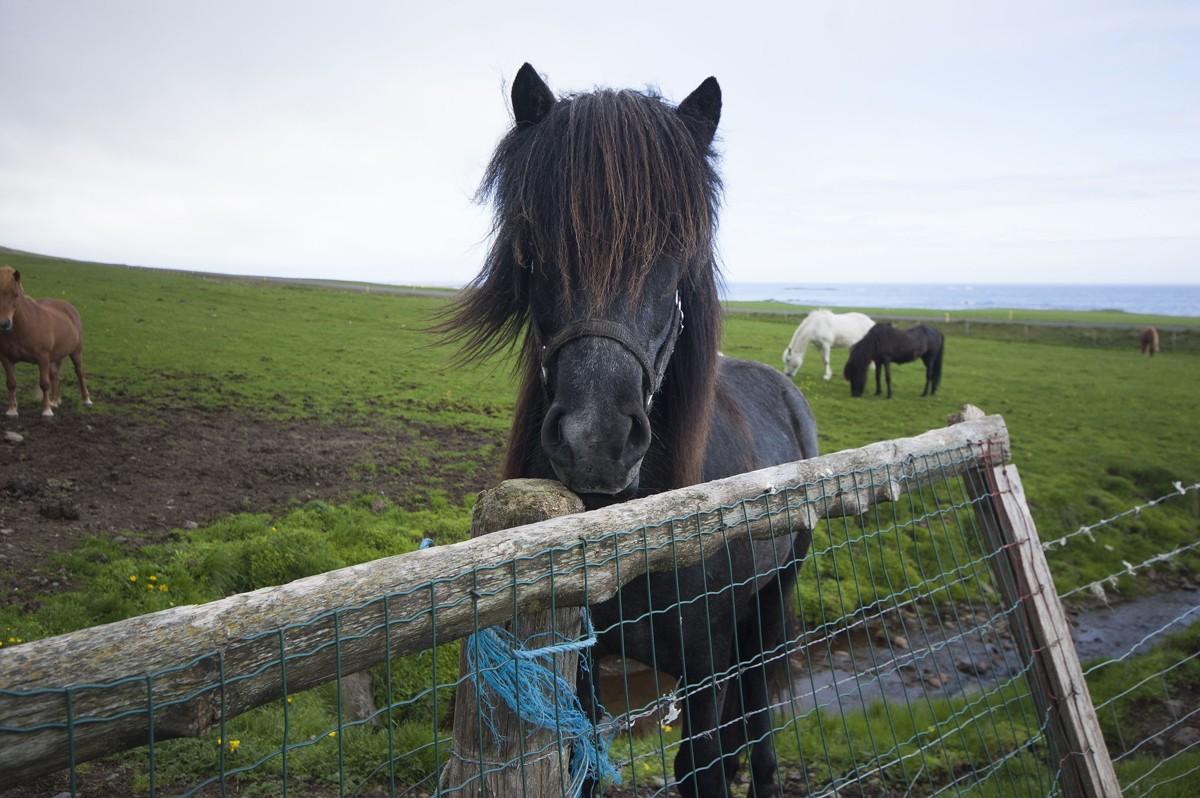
[11, 412]
[87, 402]
[47, 413]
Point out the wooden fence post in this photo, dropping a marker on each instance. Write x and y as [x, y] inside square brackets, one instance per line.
[1040, 628]
[515, 760]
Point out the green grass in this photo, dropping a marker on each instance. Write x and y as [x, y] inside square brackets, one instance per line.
[275, 350]
[1094, 431]
[233, 555]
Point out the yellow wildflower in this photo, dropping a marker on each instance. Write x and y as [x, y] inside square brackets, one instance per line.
[291, 699]
[152, 578]
[133, 578]
[150, 588]
[274, 529]
[163, 588]
[333, 734]
[233, 745]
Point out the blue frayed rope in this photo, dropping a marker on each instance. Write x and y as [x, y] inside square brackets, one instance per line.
[528, 683]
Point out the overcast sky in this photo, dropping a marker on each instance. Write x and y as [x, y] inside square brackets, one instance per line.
[915, 142]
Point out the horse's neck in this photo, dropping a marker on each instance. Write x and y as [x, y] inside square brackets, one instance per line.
[801, 337]
[27, 307]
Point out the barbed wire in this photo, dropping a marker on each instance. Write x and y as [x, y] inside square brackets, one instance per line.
[1097, 587]
[1179, 490]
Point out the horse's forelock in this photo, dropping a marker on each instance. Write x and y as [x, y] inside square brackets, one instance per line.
[602, 189]
[9, 284]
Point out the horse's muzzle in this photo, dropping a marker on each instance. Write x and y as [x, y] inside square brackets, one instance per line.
[6, 325]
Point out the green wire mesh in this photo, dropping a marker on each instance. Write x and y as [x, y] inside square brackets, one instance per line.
[902, 677]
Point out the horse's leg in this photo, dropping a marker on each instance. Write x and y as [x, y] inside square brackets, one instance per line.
[928, 361]
[770, 633]
[44, 384]
[878, 387]
[77, 361]
[734, 731]
[10, 379]
[55, 385]
[825, 346]
[887, 367]
[699, 765]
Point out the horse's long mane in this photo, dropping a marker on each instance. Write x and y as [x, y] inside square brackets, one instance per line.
[604, 187]
[867, 347]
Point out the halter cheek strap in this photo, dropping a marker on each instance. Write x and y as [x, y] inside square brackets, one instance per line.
[652, 372]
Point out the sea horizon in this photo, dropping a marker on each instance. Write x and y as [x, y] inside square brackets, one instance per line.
[1166, 299]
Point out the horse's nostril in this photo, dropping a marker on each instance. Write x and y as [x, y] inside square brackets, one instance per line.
[552, 427]
[639, 431]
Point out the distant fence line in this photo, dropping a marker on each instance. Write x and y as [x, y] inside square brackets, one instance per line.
[1108, 335]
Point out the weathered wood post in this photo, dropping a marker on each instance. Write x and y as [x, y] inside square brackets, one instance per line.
[514, 760]
[1040, 628]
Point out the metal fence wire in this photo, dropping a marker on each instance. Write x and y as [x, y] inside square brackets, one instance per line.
[901, 675]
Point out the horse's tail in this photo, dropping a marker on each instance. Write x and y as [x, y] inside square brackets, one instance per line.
[937, 363]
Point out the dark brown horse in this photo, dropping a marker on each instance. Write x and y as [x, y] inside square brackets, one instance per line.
[602, 269]
[1150, 341]
[42, 331]
[884, 345]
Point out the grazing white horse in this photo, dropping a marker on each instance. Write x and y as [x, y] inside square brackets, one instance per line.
[827, 330]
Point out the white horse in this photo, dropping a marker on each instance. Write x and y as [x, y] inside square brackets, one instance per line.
[827, 330]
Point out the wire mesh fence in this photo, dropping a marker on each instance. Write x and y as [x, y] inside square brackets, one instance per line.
[903, 670]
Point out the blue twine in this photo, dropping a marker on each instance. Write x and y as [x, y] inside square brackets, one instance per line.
[511, 670]
[547, 701]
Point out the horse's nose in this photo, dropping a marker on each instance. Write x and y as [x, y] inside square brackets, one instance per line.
[5, 325]
[596, 449]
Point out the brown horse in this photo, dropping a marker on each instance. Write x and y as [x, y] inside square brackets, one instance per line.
[1150, 341]
[42, 331]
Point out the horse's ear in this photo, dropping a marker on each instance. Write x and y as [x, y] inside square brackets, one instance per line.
[702, 108]
[531, 97]
[16, 275]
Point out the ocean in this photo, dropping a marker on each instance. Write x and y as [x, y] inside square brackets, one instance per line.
[1167, 300]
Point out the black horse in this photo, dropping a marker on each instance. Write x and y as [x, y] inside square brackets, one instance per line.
[884, 345]
[602, 260]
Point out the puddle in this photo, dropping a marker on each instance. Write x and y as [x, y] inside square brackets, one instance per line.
[1110, 632]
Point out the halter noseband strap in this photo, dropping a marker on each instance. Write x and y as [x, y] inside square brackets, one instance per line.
[652, 371]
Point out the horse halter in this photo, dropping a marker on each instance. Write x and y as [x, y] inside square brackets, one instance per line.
[653, 370]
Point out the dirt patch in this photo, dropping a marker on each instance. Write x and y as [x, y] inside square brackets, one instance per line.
[137, 475]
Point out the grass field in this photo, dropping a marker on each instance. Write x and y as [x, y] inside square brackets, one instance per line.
[1094, 430]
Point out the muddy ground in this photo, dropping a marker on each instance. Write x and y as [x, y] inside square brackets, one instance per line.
[138, 475]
